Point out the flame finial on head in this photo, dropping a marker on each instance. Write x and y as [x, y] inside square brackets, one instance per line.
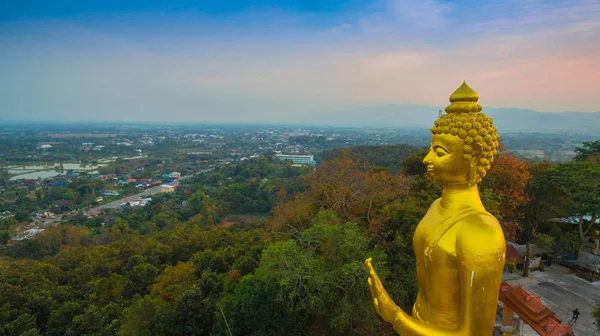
[464, 99]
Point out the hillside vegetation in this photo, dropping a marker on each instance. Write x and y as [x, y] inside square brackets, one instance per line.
[292, 265]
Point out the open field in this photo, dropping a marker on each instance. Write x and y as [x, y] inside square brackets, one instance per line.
[83, 135]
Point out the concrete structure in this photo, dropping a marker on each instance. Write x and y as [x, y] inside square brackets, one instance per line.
[592, 244]
[166, 188]
[297, 159]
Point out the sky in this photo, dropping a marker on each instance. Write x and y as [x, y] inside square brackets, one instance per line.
[280, 61]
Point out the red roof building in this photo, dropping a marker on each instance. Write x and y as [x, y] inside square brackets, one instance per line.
[64, 204]
[531, 309]
[511, 252]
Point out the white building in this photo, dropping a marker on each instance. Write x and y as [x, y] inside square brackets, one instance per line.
[297, 159]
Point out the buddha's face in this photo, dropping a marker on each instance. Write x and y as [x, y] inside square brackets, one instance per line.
[445, 160]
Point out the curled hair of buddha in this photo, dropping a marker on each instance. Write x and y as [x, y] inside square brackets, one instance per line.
[464, 119]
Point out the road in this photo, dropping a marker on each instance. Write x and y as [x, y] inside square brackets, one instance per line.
[130, 198]
[143, 194]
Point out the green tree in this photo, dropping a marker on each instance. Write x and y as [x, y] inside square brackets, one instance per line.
[174, 280]
[204, 211]
[23, 323]
[139, 279]
[32, 332]
[317, 278]
[543, 205]
[589, 151]
[4, 237]
[194, 313]
[105, 290]
[259, 307]
[596, 316]
[4, 176]
[22, 215]
[148, 316]
[579, 184]
[167, 219]
[61, 318]
[567, 242]
[7, 224]
[400, 219]
[413, 165]
[97, 320]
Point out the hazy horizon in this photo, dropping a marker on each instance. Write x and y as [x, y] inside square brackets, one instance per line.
[266, 61]
[250, 121]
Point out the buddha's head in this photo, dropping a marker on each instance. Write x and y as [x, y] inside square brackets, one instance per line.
[464, 140]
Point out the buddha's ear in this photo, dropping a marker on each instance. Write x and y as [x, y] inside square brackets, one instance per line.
[476, 155]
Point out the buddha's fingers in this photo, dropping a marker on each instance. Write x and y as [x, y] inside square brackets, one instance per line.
[374, 282]
[374, 295]
[371, 271]
[372, 288]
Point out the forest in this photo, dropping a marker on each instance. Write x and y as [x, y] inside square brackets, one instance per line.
[264, 248]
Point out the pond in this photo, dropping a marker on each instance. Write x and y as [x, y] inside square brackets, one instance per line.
[34, 172]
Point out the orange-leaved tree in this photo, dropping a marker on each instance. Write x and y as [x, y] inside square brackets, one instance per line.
[351, 188]
[504, 190]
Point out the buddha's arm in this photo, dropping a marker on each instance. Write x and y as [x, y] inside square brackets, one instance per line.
[480, 251]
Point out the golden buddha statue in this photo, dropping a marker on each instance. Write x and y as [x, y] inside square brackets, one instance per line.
[459, 246]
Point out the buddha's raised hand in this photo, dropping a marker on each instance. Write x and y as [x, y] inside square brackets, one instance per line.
[384, 305]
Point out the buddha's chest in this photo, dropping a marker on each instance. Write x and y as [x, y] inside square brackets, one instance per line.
[437, 271]
[435, 249]
[430, 225]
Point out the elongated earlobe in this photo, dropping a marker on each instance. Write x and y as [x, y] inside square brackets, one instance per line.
[474, 163]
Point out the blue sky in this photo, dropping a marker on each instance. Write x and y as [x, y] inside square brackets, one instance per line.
[287, 61]
[72, 9]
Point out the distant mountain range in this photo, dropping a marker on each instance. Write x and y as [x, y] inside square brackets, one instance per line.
[506, 119]
[405, 115]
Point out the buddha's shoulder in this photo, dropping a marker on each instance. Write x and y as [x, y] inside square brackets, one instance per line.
[481, 239]
[435, 204]
[481, 224]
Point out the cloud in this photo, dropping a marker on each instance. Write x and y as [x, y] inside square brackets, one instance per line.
[407, 20]
[341, 28]
[421, 13]
[530, 54]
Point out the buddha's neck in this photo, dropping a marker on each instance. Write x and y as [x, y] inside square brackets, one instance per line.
[460, 195]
